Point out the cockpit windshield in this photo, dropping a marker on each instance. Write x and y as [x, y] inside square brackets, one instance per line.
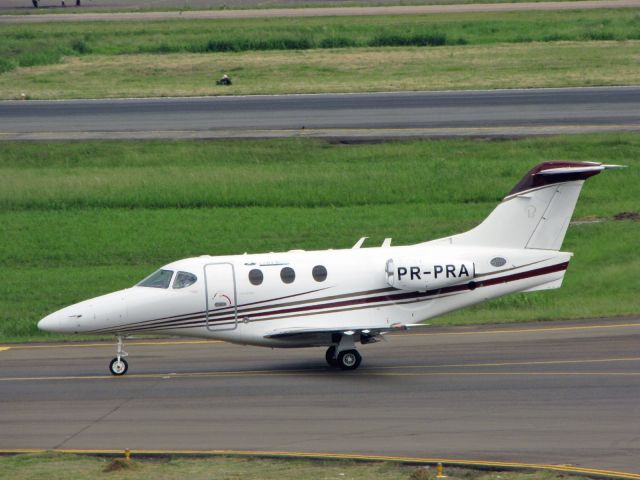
[159, 279]
[184, 279]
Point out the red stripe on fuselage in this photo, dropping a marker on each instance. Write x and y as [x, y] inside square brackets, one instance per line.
[320, 308]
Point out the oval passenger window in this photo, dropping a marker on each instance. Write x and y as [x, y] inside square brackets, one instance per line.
[256, 277]
[319, 273]
[287, 275]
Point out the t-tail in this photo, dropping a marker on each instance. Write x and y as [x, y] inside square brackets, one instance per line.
[537, 212]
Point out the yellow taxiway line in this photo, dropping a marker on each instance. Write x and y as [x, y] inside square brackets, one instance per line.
[341, 456]
[108, 344]
[531, 330]
[367, 372]
[435, 334]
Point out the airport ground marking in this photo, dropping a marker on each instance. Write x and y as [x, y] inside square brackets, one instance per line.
[368, 372]
[323, 11]
[529, 330]
[514, 364]
[110, 344]
[203, 342]
[340, 456]
[384, 132]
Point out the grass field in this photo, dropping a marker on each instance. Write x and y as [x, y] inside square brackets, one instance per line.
[52, 466]
[182, 57]
[559, 64]
[84, 218]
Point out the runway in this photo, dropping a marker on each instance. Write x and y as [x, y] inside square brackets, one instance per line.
[256, 9]
[553, 393]
[490, 113]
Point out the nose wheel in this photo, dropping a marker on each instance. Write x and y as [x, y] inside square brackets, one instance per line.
[119, 365]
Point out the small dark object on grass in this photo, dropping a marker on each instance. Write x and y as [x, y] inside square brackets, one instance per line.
[627, 216]
[421, 473]
[225, 80]
[118, 464]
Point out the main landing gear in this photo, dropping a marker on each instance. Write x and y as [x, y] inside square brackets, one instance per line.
[119, 365]
[344, 355]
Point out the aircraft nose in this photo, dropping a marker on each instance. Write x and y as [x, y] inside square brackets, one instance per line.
[50, 323]
[61, 321]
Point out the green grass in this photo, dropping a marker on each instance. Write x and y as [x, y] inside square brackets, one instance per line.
[295, 173]
[54, 466]
[84, 218]
[25, 45]
[557, 64]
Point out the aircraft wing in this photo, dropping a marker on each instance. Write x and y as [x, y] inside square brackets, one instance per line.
[370, 330]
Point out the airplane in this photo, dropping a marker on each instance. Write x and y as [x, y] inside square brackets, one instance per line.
[338, 298]
[36, 3]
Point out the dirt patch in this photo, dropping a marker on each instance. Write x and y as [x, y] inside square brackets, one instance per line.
[627, 216]
[118, 464]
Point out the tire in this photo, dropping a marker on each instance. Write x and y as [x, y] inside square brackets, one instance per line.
[330, 356]
[35, 3]
[349, 360]
[118, 368]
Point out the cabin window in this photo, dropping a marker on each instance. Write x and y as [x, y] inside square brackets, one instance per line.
[319, 273]
[288, 275]
[184, 279]
[159, 279]
[256, 277]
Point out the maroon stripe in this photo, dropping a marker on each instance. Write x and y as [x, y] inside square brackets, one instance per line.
[381, 298]
[197, 315]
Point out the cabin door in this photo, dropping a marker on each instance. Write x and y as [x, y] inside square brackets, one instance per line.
[220, 297]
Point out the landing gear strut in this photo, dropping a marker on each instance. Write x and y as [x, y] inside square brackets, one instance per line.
[119, 365]
[330, 356]
[344, 355]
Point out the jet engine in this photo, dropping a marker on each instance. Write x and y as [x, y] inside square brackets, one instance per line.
[423, 275]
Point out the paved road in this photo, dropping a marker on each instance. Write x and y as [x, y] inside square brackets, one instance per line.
[376, 115]
[541, 393]
[80, 14]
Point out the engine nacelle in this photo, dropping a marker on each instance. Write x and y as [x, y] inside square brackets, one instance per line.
[423, 275]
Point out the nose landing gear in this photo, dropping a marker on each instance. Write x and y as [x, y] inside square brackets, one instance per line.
[119, 365]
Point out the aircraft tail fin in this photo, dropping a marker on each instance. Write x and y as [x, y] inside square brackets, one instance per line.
[537, 211]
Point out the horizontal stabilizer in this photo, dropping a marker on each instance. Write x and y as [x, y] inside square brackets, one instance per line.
[536, 212]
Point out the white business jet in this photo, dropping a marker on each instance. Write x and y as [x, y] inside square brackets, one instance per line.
[337, 298]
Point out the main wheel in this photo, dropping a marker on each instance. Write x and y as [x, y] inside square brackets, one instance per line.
[35, 3]
[330, 356]
[118, 367]
[349, 359]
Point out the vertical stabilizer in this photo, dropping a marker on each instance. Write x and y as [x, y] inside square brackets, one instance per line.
[537, 212]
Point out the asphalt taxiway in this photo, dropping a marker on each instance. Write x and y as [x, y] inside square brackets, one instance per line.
[342, 116]
[552, 393]
[182, 9]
